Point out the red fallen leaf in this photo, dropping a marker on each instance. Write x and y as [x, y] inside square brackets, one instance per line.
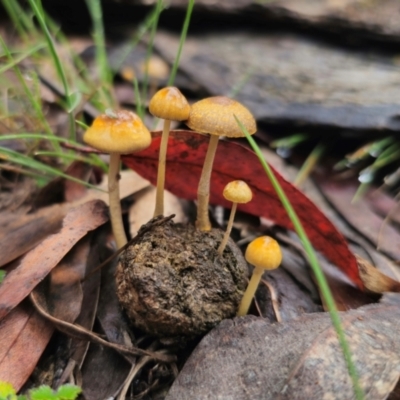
[186, 152]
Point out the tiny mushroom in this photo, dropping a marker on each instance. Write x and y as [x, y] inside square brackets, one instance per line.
[236, 192]
[216, 116]
[171, 105]
[119, 132]
[263, 253]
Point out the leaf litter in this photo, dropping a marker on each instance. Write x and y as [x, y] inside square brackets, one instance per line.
[36, 265]
[112, 323]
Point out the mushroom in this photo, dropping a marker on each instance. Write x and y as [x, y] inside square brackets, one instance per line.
[169, 104]
[120, 132]
[236, 192]
[263, 253]
[216, 116]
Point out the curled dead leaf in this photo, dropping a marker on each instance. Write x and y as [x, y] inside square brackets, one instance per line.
[374, 280]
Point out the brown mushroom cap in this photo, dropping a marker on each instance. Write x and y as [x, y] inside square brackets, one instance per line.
[121, 132]
[215, 115]
[169, 103]
[264, 252]
[238, 192]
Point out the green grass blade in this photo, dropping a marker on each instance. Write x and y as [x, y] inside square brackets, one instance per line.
[57, 62]
[95, 159]
[182, 40]
[21, 19]
[35, 103]
[367, 175]
[312, 258]
[29, 162]
[138, 99]
[105, 74]
[310, 163]
[16, 60]
[2, 275]
[66, 156]
[149, 52]
[95, 10]
[290, 141]
[239, 85]
[10, 7]
[141, 31]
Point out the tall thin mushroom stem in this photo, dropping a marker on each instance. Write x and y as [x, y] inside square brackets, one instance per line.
[203, 191]
[222, 246]
[159, 209]
[250, 291]
[115, 205]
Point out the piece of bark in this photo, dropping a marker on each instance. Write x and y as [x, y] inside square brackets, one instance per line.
[289, 79]
[359, 215]
[361, 20]
[250, 358]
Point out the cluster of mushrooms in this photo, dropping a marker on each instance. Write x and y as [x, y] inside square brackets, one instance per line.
[123, 132]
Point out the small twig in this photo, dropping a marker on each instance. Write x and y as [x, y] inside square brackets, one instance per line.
[274, 299]
[257, 307]
[81, 333]
[134, 370]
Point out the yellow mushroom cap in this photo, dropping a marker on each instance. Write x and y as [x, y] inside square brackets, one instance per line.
[238, 192]
[118, 132]
[169, 103]
[215, 115]
[264, 252]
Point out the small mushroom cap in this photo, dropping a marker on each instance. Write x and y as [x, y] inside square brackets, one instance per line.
[264, 252]
[169, 103]
[238, 192]
[155, 67]
[215, 115]
[118, 132]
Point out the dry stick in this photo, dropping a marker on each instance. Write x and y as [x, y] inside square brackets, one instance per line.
[134, 370]
[260, 314]
[83, 334]
[274, 299]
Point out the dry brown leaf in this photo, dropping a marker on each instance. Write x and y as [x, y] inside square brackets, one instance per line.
[142, 210]
[250, 358]
[374, 280]
[24, 335]
[65, 291]
[27, 231]
[104, 372]
[35, 266]
[91, 291]
[130, 183]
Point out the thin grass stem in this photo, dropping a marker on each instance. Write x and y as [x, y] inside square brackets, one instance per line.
[312, 258]
[182, 40]
[57, 62]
